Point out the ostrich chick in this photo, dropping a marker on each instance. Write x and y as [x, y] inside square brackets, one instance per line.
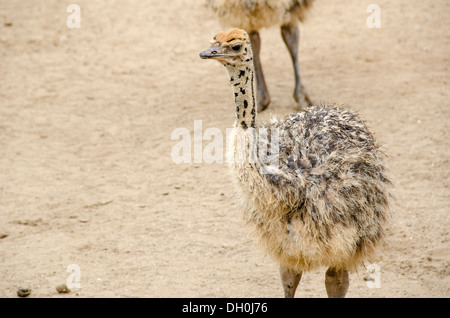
[317, 195]
[253, 15]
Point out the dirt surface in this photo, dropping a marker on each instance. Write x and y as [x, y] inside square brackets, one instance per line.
[86, 173]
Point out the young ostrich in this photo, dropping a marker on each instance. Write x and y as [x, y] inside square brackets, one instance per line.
[325, 202]
[253, 15]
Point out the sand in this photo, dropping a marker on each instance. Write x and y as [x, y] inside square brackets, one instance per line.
[89, 192]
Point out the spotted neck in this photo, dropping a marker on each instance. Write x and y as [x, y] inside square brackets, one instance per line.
[243, 84]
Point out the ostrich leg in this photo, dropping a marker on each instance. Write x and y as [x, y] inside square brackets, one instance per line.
[263, 97]
[336, 282]
[291, 35]
[290, 280]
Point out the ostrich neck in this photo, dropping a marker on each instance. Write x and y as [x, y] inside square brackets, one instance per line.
[243, 84]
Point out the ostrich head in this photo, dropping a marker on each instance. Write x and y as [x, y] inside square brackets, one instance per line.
[232, 48]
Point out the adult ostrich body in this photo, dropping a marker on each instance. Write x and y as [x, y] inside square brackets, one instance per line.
[254, 15]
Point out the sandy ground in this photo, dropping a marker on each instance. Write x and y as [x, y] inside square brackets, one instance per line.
[86, 117]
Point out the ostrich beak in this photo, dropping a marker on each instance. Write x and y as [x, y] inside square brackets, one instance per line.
[212, 53]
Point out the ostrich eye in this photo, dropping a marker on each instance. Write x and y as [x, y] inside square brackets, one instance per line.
[236, 47]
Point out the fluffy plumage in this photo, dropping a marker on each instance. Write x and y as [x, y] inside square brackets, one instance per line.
[326, 202]
[256, 14]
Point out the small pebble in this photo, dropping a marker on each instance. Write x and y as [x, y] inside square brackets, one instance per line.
[62, 289]
[23, 292]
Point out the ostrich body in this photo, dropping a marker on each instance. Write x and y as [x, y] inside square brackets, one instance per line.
[253, 15]
[325, 202]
